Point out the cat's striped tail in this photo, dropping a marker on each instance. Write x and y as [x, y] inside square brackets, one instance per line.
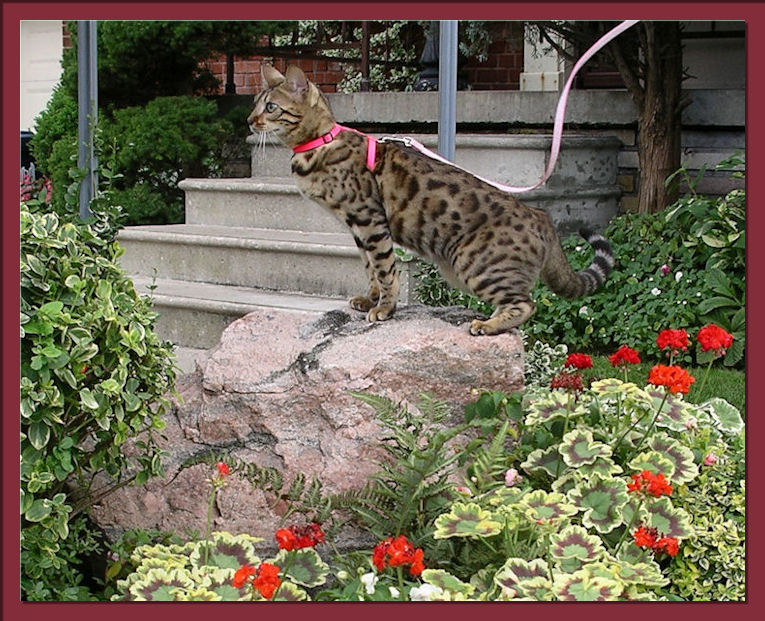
[559, 276]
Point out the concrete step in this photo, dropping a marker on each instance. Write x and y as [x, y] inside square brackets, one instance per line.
[325, 264]
[263, 202]
[188, 357]
[194, 314]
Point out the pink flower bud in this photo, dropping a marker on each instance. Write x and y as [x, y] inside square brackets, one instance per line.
[710, 459]
[512, 477]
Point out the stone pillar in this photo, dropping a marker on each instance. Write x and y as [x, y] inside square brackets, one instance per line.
[543, 68]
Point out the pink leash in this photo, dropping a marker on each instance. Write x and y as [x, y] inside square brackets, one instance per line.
[560, 113]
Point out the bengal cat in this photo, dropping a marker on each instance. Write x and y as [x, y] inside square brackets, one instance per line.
[483, 240]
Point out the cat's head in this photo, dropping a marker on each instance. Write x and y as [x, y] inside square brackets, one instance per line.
[290, 106]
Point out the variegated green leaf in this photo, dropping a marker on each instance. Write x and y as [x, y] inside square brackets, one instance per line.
[545, 460]
[601, 500]
[553, 405]
[579, 448]
[545, 506]
[573, 547]
[582, 586]
[303, 566]
[646, 573]
[517, 570]
[466, 520]
[445, 581]
[685, 469]
[159, 585]
[226, 551]
[289, 592]
[727, 417]
[669, 520]
[674, 413]
[654, 462]
[614, 390]
[604, 466]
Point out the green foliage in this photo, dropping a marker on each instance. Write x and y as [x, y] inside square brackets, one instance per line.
[712, 565]
[93, 379]
[700, 239]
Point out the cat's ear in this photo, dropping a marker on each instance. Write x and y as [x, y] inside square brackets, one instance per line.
[296, 81]
[270, 76]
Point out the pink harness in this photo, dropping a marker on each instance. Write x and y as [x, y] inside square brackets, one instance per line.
[330, 136]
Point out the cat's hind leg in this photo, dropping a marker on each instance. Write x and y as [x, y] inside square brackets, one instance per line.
[505, 317]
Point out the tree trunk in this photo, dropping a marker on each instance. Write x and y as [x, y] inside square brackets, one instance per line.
[659, 118]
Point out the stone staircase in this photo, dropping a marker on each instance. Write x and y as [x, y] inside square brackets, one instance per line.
[256, 242]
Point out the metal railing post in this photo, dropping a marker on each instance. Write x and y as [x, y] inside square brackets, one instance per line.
[447, 88]
[87, 111]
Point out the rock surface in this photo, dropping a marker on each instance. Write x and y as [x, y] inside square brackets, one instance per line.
[274, 392]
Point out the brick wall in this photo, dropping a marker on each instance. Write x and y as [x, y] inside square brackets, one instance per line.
[502, 69]
[326, 74]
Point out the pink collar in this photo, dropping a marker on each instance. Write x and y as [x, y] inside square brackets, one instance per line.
[330, 136]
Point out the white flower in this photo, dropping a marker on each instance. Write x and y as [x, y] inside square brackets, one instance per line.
[583, 311]
[369, 581]
[678, 276]
[424, 593]
[656, 291]
[394, 592]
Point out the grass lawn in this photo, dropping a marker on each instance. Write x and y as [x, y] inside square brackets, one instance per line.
[728, 384]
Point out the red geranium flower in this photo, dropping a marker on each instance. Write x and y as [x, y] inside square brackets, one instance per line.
[296, 537]
[242, 575]
[397, 552]
[714, 337]
[624, 356]
[223, 469]
[674, 378]
[645, 537]
[654, 484]
[669, 545]
[568, 381]
[267, 579]
[578, 361]
[674, 340]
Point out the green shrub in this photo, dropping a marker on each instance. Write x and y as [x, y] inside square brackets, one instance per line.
[149, 149]
[93, 379]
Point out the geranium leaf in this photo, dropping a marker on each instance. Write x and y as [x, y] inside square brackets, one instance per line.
[641, 573]
[289, 592]
[582, 586]
[553, 405]
[674, 413]
[604, 466]
[727, 417]
[226, 551]
[525, 578]
[447, 582]
[579, 448]
[670, 521]
[542, 505]
[302, 566]
[601, 500]
[545, 460]
[654, 462]
[160, 585]
[682, 459]
[573, 546]
[466, 520]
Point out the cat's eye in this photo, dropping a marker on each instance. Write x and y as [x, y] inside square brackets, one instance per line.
[271, 107]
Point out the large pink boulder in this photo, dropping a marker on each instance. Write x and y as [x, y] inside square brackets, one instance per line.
[275, 392]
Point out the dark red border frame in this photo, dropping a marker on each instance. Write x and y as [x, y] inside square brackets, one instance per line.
[752, 12]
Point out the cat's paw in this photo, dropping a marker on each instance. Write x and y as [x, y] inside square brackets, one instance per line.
[481, 328]
[380, 313]
[362, 303]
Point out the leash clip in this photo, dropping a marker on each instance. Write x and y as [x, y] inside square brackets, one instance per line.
[406, 141]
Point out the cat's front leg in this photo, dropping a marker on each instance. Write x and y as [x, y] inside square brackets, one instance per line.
[376, 248]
